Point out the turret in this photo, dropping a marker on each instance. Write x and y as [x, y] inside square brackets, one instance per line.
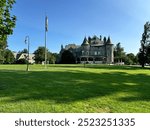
[85, 42]
[108, 40]
[104, 40]
[62, 47]
[89, 40]
[100, 37]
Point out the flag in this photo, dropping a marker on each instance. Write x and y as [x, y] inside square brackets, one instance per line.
[46, 23]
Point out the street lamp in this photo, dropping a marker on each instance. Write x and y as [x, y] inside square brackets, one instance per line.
[27, 41]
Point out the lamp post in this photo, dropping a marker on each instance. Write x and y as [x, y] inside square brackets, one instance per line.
[27, 41]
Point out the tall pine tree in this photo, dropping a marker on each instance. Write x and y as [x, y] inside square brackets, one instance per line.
[145, 42]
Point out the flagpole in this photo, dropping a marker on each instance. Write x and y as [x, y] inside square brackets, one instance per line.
[46, 29]
[27, 40]
[45, 50]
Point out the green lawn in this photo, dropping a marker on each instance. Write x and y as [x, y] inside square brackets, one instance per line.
[73, 88]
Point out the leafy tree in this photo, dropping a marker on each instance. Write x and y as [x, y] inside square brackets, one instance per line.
[21, 52]
[128, 61]
[136, 60]
[40, 56]
[51, 58]
[24, 51]
[67, 57]
[145, 42]
[119, 54]
[56, 55]
[7, 23]
[8, 57]
[131, 59]
[2, 48]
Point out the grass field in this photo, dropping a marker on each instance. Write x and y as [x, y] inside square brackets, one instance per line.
[73, 88]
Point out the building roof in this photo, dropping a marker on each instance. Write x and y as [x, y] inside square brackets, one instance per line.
[73, 46]
[95, 40]
[85, 42]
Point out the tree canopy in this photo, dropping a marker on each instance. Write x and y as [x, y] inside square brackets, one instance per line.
[67, 57]
[7, 23]
[40, 55]
[8, 57]
[119, 53]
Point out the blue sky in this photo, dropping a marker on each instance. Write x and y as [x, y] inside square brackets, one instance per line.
[71, 20]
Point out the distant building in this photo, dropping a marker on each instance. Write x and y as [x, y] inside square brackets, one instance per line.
[92, 50]
[19, 56]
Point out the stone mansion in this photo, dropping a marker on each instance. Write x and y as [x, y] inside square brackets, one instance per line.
[92, 50]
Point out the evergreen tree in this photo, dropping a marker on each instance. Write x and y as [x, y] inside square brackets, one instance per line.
[143, 55]
[148, 54]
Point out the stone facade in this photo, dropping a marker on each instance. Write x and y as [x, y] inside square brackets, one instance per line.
[92, 50]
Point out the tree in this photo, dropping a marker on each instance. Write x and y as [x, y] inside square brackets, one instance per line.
[148, 54]
[130, 59]
[57, 57]
[143, 54]
[67, 57]
[2, 48]
[40, 56]
[119, 54]
[51, 58]
[7, 23]
[8, 57]
[24, 51]
[21, 52]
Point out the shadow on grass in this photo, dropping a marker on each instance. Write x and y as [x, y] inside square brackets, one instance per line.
[70, 86]
[98, 66]
[117, 67]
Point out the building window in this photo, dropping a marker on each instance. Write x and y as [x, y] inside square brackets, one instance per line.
[99, 53]
[87, 53]
[82, 52]
[95, 53]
